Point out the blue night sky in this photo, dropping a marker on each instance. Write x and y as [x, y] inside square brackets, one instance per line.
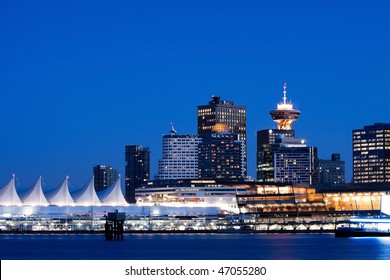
[79, 80]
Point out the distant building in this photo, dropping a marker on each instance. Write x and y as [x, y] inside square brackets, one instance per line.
[221, 155]
[331, 172]
[137, 169]
[226, 112]
[371, 154]
[104, 176]
[179, 157]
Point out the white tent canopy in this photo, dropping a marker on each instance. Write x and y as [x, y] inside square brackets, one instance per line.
[35, 196]
[8, 194]
[87, 196]
[113, 196]
[61, 195]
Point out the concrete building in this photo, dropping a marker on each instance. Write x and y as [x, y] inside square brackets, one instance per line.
[179, 157]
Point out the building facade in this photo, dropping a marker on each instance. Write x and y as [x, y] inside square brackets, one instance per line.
[331, 172]
[179, 157]
[221, 155]
[371, 154]
[226, 112]
[137, 170]
[104, 176]
[296, 165]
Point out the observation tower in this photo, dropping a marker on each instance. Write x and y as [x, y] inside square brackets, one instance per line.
[285, 114]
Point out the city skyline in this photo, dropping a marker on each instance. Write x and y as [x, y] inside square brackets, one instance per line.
[81, 83]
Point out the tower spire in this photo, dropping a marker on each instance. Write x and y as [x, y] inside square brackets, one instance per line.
[285, 93]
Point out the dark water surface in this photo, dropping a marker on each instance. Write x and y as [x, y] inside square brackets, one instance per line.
[194, 247]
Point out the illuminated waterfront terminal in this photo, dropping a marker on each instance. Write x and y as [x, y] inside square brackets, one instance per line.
[193, 204]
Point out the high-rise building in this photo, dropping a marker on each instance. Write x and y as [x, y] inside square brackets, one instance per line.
[179, 157]
[295, 162]
[265, 158]
[221, 155]
[104, 176]
[331, 172]
[371, 154]
[280, 156]
[226, 112]
[137, 169]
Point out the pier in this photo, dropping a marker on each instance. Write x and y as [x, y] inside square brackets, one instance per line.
[113, 227]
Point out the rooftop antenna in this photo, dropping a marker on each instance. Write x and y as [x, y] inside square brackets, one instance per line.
[173, 131]
[285, 93]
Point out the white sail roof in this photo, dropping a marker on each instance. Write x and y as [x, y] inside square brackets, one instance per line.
[61, 196]
[35, 196]
[8, 194]
[87, 196]
[113, 196]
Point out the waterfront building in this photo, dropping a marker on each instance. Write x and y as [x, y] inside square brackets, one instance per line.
[298, 206]
[179, 157]
[137, 169]
[331, 172]
[221, 155]
[280, 156]
[104, 176]
[226, 112]
[371, 154]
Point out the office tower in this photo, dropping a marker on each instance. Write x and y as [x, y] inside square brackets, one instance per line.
[265, 158]
[371, 154]
[280, 156]
[331, 172]
[137, 169]
[179, 157]
[221, 155]
[295, 162]
[104, 176]
[220, 111]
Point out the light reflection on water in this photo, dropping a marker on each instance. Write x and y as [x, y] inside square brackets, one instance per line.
[195, 246]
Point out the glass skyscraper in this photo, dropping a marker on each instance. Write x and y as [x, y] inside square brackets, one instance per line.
[137, 169]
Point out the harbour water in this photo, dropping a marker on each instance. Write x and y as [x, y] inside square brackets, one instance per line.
[193, 247]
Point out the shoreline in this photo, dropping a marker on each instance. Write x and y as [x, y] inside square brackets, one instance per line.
[91, 232]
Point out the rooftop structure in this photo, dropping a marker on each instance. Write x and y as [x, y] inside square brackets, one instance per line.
[285, 114]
